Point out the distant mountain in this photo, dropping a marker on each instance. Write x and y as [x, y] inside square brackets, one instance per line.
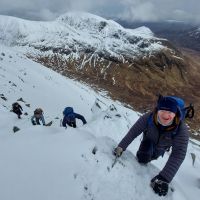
[73, 34]
[179, 33]
[131, 64]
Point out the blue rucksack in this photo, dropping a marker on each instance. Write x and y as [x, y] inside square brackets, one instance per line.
[185, 112]
[69, 114]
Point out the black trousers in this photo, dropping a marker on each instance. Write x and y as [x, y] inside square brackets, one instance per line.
[72, 124]
[18, 112]
[146, 152]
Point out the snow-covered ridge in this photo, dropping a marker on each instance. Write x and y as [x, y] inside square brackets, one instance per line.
[88, 22]
[78, 32]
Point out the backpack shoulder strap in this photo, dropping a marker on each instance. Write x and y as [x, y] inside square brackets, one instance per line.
[149, 123]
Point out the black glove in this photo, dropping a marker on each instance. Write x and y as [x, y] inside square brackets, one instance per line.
[159, 185]
[118, 151]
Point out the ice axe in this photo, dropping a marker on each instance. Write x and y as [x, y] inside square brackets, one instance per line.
[115, 160]
[117, 152]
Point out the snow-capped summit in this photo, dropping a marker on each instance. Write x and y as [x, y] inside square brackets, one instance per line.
[78, 32]
[143, 31]
[86, 21]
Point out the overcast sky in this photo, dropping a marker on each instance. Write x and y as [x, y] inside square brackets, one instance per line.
[142, 10]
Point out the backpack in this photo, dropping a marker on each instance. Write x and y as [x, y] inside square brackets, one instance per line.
[69, 114]
[185, 112]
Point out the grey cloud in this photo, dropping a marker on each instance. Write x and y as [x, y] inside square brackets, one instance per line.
[143, 11]
[155, 10]
[140, 10]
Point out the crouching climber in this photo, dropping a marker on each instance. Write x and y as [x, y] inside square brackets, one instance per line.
[37, 117]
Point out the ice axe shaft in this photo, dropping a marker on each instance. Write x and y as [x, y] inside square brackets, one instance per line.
[116, 158]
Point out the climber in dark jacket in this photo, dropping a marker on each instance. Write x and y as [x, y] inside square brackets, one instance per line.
[70, 117]
[161, 130]
[17, 109]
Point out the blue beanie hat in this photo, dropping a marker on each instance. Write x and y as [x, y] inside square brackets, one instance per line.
[167, 103]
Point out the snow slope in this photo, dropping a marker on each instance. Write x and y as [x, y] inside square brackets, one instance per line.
[54, 163]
